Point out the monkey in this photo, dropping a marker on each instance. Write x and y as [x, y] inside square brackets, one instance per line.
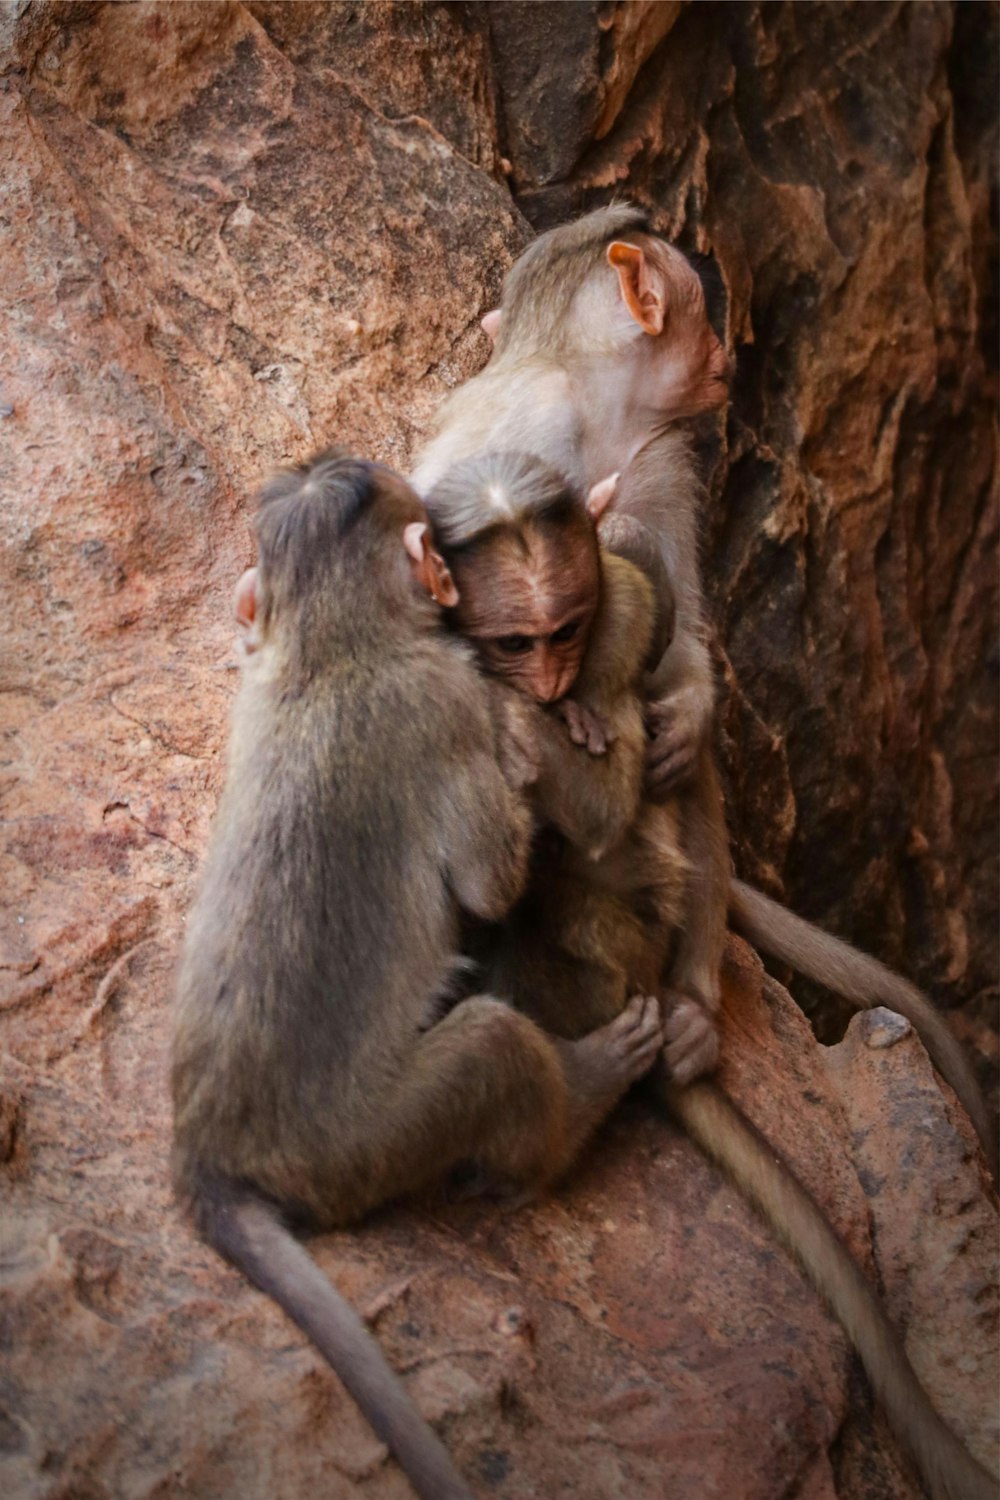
[319, 1067]
[606, 888]
[523, 550]
[602, 346]
[562, 627]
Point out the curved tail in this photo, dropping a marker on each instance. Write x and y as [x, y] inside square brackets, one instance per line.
[866, 982]
[726, 1135]
[250, 1232]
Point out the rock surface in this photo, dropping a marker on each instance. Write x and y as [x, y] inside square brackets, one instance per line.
[233, 232]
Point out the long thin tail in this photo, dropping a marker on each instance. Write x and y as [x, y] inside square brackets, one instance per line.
[866, 982]
[724, 1133]
[250, 1233]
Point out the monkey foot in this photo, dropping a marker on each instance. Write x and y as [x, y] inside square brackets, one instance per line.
[691, 1039]
[614, 1056]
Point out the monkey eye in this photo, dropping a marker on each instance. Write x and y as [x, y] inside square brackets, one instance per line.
[514, 645]
[565, 633]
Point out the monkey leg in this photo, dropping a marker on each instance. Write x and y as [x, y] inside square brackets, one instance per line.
[487, 1085]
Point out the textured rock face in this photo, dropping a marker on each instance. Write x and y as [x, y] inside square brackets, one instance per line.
[233, 232]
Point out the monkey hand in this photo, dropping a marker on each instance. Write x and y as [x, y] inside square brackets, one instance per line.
[690, 1037]
[585, 727]
[517, 745]
[675, 726]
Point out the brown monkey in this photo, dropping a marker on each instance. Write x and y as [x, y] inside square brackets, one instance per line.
[602, 346]
[602, 343]
[605, 893]
[571, 629]
[313, 1073]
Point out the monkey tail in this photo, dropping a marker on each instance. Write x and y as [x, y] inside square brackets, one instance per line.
[250, 1232]
[727, 1136]
[865, 982]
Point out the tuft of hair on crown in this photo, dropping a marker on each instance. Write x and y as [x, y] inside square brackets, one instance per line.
[303, 515]
[497, 491]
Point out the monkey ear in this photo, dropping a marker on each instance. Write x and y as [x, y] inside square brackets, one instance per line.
[441, 586]
[429, 567]
[642, 287]
[600, 496]
[245, 599]
[413, 540]
[490, 324]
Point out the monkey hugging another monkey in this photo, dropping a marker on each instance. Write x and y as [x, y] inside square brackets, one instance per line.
[318, 1067]
[327, 1056]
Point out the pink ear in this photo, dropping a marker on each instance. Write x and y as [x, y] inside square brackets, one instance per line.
[413, 540]
[642, 285]
[600, 496]
[490, 324]
[245, 599]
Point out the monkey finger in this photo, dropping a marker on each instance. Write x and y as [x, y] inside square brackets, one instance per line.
[685, 1064]
[639, 1026]
[586, 728]
[668, 743]
[691, 1042]
[572, 717]
[661, 787]
[668, 774]
[597, 739]
[682, 1016]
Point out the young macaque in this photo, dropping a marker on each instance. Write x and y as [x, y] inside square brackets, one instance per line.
[602, 346]
[570, 628]
[607, 880]
[320, 1064]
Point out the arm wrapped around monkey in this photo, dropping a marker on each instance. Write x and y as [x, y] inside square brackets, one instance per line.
[600, 807]
[594, 800]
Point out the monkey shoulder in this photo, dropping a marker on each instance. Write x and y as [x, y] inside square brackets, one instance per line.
[623, 627]
[440, 690]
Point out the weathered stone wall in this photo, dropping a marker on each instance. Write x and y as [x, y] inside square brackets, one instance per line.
[836, 163]
[232, 232]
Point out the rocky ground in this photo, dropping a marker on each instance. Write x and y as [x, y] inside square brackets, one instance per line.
[233, 232]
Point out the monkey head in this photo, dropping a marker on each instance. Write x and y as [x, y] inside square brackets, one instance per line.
[523, 549]
[527, 602]
[683, 368]
[338, 526]
[634, 300]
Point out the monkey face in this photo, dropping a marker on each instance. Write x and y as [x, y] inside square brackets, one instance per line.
[529, 612]
[682, 368]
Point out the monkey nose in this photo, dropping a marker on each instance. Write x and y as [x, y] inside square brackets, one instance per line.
[550, 686]
[555, 684]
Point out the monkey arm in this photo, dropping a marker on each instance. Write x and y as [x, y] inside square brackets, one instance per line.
[630, 539]
[487, 828]
[681, 706]
[594, 800]
[653, 516]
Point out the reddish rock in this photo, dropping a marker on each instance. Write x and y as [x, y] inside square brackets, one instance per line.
[234, 232]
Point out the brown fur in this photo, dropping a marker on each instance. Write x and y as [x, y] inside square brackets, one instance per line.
[363, 808]
[596, 924]
[575, 383]
[570, 383]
